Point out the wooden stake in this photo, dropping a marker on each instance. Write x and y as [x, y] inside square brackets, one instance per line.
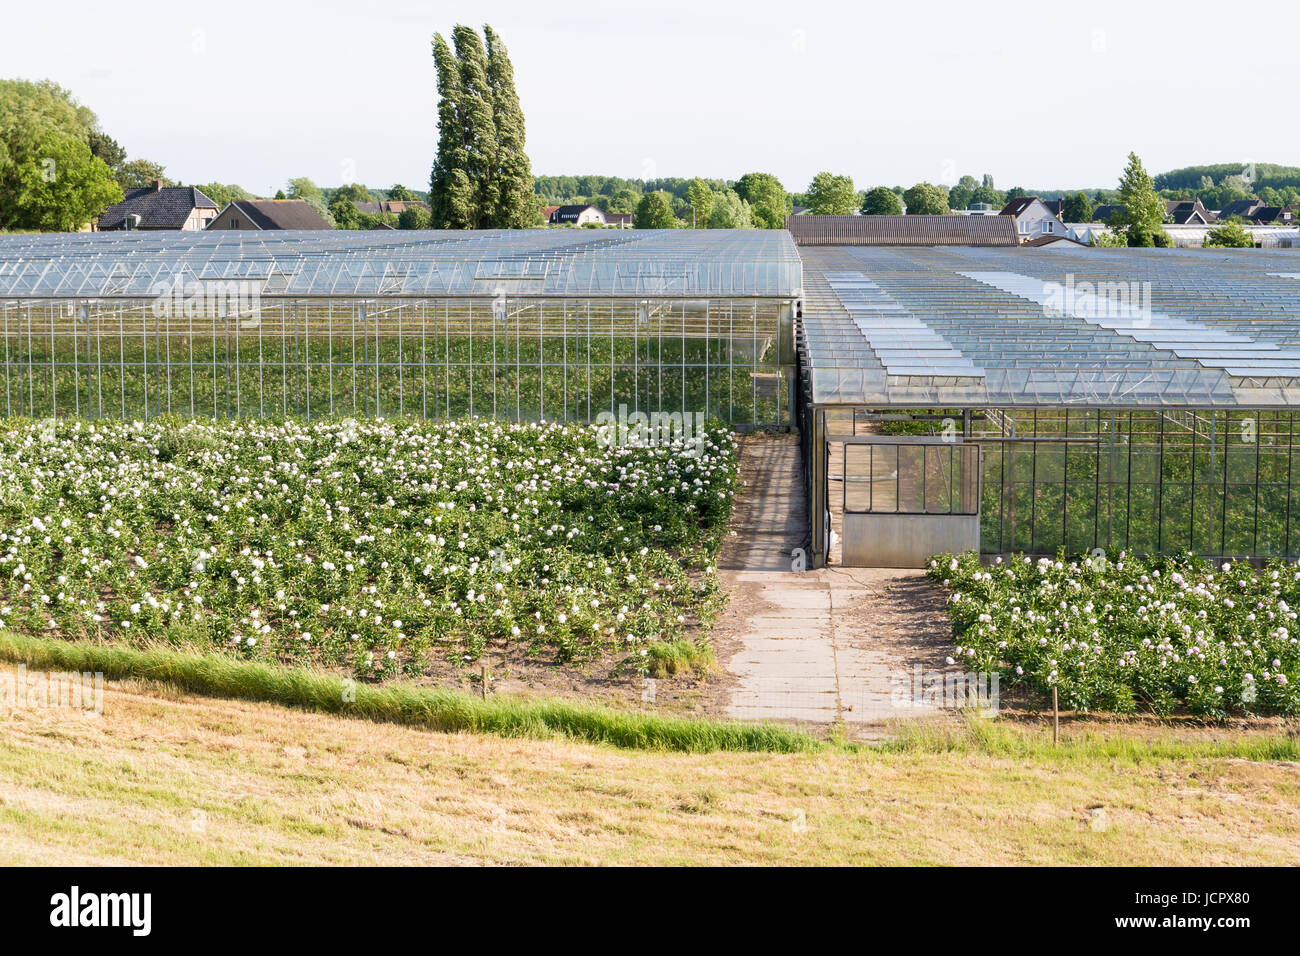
[483, 679]
[1056, 717]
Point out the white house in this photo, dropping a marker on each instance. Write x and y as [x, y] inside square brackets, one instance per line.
[1034, 219]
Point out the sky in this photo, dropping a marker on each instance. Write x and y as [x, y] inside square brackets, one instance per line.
[1042, 94]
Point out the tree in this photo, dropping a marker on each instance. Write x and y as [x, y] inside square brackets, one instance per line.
[623, 201]
[399, 193]
[769, 202]
[451, 193]
[730, 212]
[881, 201]
[1230, 235]
[515, 206]
[988, 195]
[306, 190]
[222, 194]
[482, 177]
[72, 190]
[987, 182]
[50, 176]
[107, 149]
[831, 195]
[138, 173]
[1141, 211]
[959, 197]
[699, 196]
[1077, 208]
[413, 217]
[654, 211]
[1016, 192]
[923, 199]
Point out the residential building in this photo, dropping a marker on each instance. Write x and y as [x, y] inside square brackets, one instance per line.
[1033, 218]
[1187, 212]
[577, 216]
[159, 207]
[269, 214]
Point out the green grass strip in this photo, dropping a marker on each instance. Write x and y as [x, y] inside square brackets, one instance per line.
[437, 709]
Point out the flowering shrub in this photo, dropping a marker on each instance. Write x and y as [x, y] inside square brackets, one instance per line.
[1123, 633]
[371, 545]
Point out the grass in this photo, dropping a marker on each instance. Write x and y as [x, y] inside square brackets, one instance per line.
[164, 777]
[435, 709]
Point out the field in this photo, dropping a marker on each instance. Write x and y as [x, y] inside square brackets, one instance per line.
[1122, 634]
[165, 778]
[377, 548]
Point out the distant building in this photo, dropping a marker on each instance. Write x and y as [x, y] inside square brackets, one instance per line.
[623, 220]
[979, 209]
[577, 216]
[159, 207]
[902, 230]
[1270, 216]
[394, 206]
[1104, 212]
[1187, 212]
[1241, 208]
[548, 212]
[269, 214]
[1033, 218]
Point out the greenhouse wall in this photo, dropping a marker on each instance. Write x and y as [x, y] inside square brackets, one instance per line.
[1217, 483]
[520, 358]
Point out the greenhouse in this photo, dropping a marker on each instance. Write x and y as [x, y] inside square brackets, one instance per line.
[947, 396]
[1027, 400]
[530, 325]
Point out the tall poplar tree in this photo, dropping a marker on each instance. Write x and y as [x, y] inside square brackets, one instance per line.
[481, 178]
[517, 203]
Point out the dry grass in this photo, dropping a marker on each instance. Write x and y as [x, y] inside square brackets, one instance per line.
[167, 778]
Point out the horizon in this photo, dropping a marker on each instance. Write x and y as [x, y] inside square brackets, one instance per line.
[346, 104]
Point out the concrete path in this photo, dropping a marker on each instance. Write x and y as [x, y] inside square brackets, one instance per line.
[818, 646]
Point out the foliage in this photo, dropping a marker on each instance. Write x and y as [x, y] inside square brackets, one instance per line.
[222, 194]
[1119, 635]
[768, 200]
[306, 190]
[831, 195]
[1140, 212]
[699, 195]
[413, 217]
[1230, 235]
[1077, 208]
[924, 199]
[881, 201]
[730, 212]
[481, 176]
[138, 173]
[50, 174]
[379, 546]
[654, 211]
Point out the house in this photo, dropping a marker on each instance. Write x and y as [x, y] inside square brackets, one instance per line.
[577, 216]
[1105, 211]
[159, 207]
[1033, 218]
[394, 206]
[1270, 216]
[548, 212]
[1242, 208]
[623, 220]
[269, 214]
[979, 209]
[1187, 212]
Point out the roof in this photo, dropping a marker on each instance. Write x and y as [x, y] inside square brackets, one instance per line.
[572, 212]
[165, 208]
[902, 230]
[1182, 210]
[1049, 239]
[991, 327]
[1239, 207]
[280, 213]
[1018, 206]
[389, 205]
[720, 263]
[1103, 212]
[1266, 214]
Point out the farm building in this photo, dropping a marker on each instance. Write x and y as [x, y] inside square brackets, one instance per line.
[951, 389]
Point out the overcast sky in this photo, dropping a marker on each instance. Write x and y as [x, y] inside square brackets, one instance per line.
[1040, 94]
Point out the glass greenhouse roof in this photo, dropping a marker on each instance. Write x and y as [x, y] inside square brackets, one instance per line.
[534, 262]
[1061, 325]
